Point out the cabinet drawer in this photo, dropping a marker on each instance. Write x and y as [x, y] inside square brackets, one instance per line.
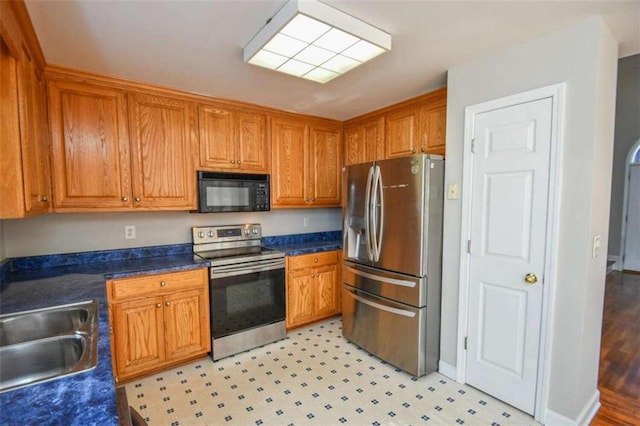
[312, 260]
[127, 288]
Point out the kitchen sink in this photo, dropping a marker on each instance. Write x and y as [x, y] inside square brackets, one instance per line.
[37, 325]
[47, 344]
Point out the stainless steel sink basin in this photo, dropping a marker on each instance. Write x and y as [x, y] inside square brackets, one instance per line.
[38, 325]
[46, 344]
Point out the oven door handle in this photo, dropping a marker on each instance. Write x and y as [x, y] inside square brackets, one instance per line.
[244, 269]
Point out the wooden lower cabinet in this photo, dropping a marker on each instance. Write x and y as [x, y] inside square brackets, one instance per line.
[313, 287]
[158, 321]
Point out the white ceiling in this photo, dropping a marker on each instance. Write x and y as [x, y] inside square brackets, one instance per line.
[197, 45]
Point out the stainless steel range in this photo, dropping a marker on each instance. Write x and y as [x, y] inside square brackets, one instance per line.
[246, 287]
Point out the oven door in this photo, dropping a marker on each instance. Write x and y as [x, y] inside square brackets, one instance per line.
[246, 296]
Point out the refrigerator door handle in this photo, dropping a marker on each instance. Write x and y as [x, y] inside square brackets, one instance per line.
[380, 225]
[380, 306]
[373, 213]
[367, 211]
[379, 278]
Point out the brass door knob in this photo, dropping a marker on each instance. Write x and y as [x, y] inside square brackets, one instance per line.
[530, 278]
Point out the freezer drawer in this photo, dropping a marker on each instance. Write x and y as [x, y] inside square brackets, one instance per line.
[392, 331]
[390, 285]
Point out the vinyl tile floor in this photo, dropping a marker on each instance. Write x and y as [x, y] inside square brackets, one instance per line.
[313, 377]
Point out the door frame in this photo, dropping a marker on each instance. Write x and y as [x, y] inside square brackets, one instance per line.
[557, 93]
[625, 203]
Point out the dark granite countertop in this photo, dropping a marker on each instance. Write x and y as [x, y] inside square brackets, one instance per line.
[296, 244]
[88, 397]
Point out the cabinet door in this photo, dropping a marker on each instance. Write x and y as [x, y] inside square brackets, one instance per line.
[34, 137]
[401, 132]
[299, 297]
[434, 123]
[373, 138]
[354, 148]
[216, 138]
[324, 167]
[162, 143]
[138, 331]
[327, 295]
[251, 139]
[11, 185]
[24, 187]
[289, 179]
[89, 146]
[186, 324]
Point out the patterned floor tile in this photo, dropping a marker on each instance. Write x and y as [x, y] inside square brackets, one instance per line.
[314, 376]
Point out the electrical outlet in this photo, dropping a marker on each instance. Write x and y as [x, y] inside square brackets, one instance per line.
[453, 192]
[130, 232]
[305, 222]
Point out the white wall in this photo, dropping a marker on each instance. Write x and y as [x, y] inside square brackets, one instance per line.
[585, 57]
[77, 232]
[627, 132]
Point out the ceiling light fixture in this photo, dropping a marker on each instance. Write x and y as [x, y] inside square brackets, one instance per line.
[312, 40]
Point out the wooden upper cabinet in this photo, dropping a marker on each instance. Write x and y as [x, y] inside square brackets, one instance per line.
[306, 160]
[402, 130]
[290, 152]
[433, 123]
[232, 139]
[25, 187]
[324, 167]
[163, 141]
[89, 146]
[364, 141]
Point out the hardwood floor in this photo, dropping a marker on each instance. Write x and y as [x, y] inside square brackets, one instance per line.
[619, 377]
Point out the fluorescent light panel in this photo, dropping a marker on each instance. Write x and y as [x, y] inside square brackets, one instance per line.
[314, 41]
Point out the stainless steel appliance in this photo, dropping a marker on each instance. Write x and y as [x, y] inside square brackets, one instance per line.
[392, 259]
[247, 292]
[232, 192]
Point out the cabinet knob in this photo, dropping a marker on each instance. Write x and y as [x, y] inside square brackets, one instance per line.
[167, 303]
[238, 161]
[313, 198]
[125, 198]
[306, 199]
[312, 276]
[233, 161]
[44, 199]
[138, 199]
[159, 305]
[413, 150]
[162, 283]
[315, 260]
[422, 149]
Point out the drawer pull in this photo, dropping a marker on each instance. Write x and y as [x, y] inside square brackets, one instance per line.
[162, 283]
[315, 260]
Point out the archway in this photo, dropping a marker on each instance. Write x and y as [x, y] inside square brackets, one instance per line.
[630, 241]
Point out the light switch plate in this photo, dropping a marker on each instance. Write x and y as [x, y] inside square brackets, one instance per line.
[596, 246]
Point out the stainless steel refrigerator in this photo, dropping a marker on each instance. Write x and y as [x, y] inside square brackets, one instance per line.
[392, 253]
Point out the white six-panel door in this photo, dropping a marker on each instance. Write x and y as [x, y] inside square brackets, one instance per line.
[509, 200]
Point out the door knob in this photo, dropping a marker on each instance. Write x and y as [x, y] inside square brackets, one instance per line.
[530, 278]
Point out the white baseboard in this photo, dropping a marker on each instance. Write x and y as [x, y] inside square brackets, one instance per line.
[447, 370]
[617, 266]
[584, 418]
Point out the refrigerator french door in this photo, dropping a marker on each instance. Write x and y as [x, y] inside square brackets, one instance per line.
[392, 252]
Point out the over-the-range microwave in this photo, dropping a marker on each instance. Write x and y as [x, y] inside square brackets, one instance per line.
[232, 192]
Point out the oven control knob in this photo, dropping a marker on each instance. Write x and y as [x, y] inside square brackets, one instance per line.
[247, 231]
[211, 234]
[254, 230]
[201, 234]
